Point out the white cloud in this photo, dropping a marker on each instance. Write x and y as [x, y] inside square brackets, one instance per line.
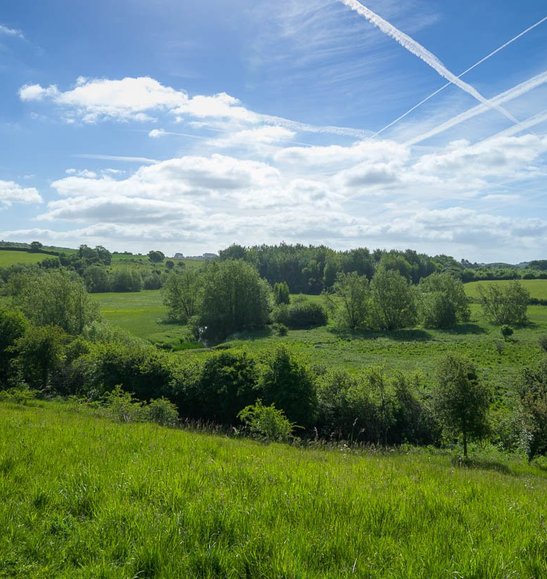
[7, 31]
[11, 192]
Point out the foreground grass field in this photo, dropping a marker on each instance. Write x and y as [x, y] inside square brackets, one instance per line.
[84, 497]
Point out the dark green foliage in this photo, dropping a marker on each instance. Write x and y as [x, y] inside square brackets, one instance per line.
[56, 298]
[443, 302]
[234, 299]
[144, 371]
[392, 301]
[126, 280]
[301, 315]
[228, 383]
[156, 256]
[506, 331]
[96, 279]
[289, 385]
[13, 325]
[461, 400]
[542, 341]
[505, 304]
[352, 291]
[40, 355]
[281, 293]
[533, 397]
[35, 246]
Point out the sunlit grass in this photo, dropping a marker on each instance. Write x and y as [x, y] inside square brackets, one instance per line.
[83, 497]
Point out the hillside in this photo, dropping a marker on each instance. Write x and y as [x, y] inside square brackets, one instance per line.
[85, 497]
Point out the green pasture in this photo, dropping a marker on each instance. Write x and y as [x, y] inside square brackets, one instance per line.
[536, 287]
[81, 496]
[141, 314]
[8, 258]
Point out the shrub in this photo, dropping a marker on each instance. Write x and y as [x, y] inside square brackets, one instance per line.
[301, 315]
[542, 341]
[506, 331]
[266, 422]
[505, 304]
[122, 406]
[161, 411]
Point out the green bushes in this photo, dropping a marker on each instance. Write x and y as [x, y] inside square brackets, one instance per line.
[266, 422]
[300, 315]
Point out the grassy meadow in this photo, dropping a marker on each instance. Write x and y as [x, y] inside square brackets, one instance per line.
[81, 496]
[536, 287]
[8, 258]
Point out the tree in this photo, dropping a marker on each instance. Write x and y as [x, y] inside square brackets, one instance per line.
[281, 293]
[443, 302]
[126, 280]
[36, 247]
[393, 304]
[96, 279]
[352, 291]
[288, 384]
[57, 298]
[156, 256]
[461, 401]
[506, 304]
[182, 295]
[234, 299]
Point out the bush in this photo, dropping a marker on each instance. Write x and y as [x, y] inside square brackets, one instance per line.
[542, 341]
[122, 406]
[161, 411]
[506, 331]
[301, 315]
[505, 304]
[266, 422]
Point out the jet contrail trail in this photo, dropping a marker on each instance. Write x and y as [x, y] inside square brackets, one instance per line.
[503, 97]
[523, 126]
[505, 45]
[422, 53]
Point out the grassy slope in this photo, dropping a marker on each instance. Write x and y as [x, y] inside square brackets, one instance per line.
[8, 258]
[84, 497]
[536, 287]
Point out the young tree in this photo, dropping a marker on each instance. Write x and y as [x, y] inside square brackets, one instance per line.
[443, 302]
[352, 291]
[392, 300]
[182, 295]
[12, 327]
[461, 401]
[281, 293]
[234, 298]
[505, 304]
[156, 256]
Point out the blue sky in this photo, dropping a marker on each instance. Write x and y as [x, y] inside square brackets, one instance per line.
[187, 126]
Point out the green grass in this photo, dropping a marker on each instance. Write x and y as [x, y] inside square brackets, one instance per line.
[536, 287]
[8, 258]
[142, 314]
[84, 497]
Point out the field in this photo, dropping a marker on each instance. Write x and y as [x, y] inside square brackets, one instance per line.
[416, 350]
[8, 258]
[536, 287]
[81, 496]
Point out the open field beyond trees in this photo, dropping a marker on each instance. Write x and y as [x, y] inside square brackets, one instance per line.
[81, 496]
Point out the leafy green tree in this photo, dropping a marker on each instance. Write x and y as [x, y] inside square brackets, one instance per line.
[36, 247]
[12, 327]
[288, 384]
[506, 304]
[234, 299]
[461, 401]
[281, 293]
[443, 302]
[302, 314]
[235, 251]
[352, 293]
[57, 298]
[393, 303]
[126, 280]
[156, 256]
[182, 295]
[96, 279]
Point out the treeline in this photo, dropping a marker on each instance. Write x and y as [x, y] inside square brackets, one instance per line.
[313, 269]
[53, 341]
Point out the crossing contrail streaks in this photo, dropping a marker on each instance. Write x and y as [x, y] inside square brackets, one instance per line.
[500, 99]
[484, 59]
[422, 53]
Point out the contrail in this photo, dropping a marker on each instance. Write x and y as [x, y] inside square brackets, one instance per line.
[460, 75]
[504, 97]
[523, 126]
[422, 53]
